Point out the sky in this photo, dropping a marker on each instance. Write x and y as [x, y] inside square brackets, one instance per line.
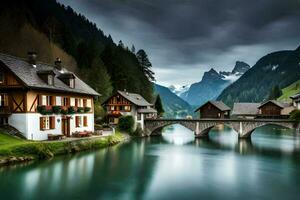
[185, 38]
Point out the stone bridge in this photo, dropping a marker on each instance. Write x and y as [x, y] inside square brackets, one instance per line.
[201, 127]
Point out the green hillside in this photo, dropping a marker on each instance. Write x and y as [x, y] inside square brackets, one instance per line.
[290, 91]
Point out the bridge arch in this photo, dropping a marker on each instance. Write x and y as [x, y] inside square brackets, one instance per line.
[247, 132]
[204, 129]
[153, 127]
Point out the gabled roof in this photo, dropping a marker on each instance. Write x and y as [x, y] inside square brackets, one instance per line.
[296, 96]
[134, 98]
[245, 108]
[29, 76]
[277, 103]
[218, 104]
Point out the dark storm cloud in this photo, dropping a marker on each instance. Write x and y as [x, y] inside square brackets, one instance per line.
[197, 34]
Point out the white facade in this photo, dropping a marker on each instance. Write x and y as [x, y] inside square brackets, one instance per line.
[29, 124]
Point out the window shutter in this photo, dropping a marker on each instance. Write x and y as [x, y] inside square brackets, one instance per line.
[77, 121]
[40, 99]
[85, 121]
[41, 123]
[76, 102]
[84, 102]
[52, 122]
[53, 101]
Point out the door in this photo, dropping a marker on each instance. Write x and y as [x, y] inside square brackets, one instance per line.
[66, 127]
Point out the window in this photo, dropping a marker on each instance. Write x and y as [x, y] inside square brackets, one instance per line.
[3, 100]
[112, 107]
[1, 77]
[65, 101]
[79, 102]
[78, 121]
[46, 100]
[58, 101]
[47, 123]
[50, 80]
[72, 102]
[72, 83]
[89, 103]
[127, 108]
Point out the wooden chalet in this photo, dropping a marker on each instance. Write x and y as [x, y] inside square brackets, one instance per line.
[275, 109]
[214, 109]
[124, 103]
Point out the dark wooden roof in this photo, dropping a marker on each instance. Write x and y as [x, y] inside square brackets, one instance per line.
[29, 75]
[218, 104]
[277, 103]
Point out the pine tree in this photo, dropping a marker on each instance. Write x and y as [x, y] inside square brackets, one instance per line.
[145, 64]
[159, 106]
[133, 49]
[121, 44]
[275, 93]
[98, 78]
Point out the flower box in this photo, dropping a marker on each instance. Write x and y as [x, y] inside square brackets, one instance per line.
[87, 109]
[80, 110]
[45, 110]
[72, 110]
[57, 109]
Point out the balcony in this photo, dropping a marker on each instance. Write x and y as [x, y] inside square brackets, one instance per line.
[5, 110]
[64, 110]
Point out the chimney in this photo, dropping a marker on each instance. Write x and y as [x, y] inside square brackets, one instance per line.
[32, 57]
[57, 64]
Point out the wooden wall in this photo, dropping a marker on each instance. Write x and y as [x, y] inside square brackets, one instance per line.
[210, 111]
[270, 109]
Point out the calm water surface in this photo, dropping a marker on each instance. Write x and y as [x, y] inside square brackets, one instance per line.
[173, 166]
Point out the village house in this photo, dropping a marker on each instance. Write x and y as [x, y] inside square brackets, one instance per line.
[268, 109]
[296, 100]
[214, 109]
[275, 109]
[245, 110]
[124, 103]
[42, 99]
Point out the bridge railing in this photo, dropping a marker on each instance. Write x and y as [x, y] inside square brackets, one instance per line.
[224, 120]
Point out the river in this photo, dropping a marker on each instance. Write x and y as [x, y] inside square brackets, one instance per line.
[171, 166]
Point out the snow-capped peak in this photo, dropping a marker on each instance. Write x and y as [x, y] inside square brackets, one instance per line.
[178, 90]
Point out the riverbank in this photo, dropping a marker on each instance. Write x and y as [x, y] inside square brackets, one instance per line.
[14, 150]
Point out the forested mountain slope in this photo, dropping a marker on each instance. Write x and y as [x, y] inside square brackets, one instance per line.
[280, 68]
[54, 30]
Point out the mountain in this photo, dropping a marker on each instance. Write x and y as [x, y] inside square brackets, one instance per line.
[212, 84]
[54, 30]
[289, 91]
[179, 90]
[280, 68]
[173, 105]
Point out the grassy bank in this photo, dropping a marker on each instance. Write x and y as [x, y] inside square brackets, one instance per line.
[14, 149]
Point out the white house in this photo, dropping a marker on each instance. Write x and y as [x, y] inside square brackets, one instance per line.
[40, 99]
[296, 100]
[124, 103]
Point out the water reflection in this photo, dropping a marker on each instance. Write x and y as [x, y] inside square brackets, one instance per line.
[173, 166]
